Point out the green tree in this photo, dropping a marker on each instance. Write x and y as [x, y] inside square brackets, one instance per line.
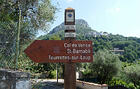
[105, 66]
[133, 74]
[35, 15]
[36, 12]
[54, 37]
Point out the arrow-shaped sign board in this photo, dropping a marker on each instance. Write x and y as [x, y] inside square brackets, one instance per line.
[43, 51]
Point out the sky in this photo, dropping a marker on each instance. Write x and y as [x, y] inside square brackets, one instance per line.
[112, 16]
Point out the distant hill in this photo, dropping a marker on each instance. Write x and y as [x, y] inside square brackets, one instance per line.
[82, 28]
[79, 22]
[129, 46]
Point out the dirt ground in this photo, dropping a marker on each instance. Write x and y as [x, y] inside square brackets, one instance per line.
[48, 84]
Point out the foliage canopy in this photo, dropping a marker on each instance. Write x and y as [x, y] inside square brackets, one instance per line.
[105, 66]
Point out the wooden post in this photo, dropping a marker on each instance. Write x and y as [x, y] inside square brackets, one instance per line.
[70, 68]
[57, 73]
[70, 76]
[18, 38]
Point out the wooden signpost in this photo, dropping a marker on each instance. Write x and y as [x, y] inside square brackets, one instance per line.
[44, 51]
[67, 51]
[70, 68]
